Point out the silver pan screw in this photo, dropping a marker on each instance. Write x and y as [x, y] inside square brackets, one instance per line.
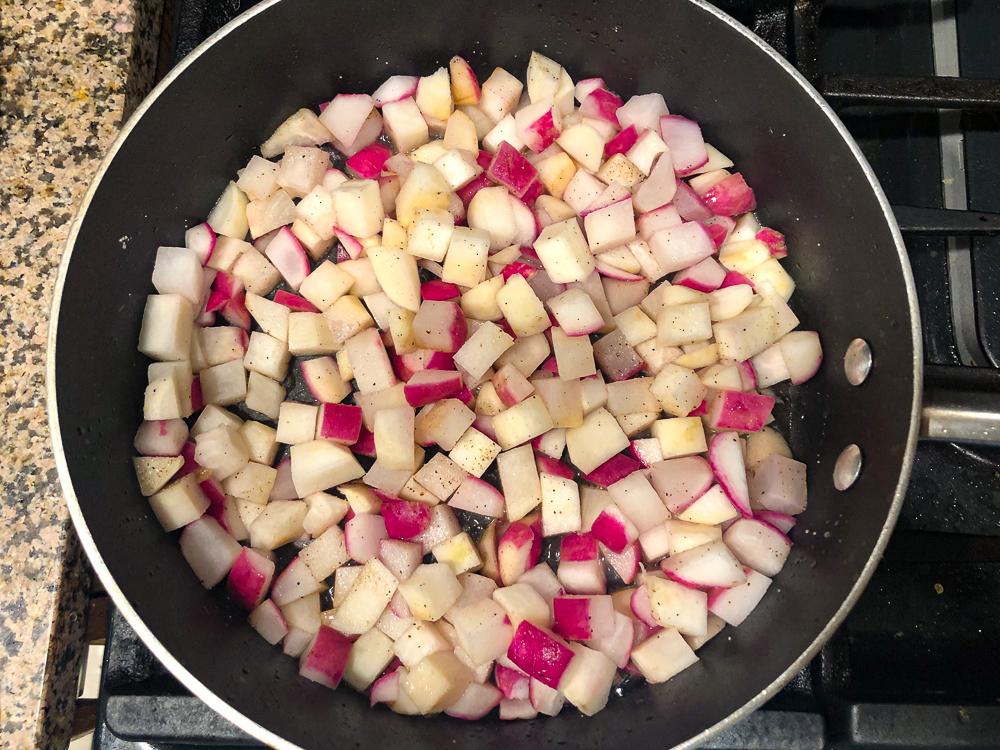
[847, 468]
[858, 361]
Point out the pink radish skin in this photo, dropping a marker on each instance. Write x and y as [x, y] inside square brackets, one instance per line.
[517, 552]
[601, 104]
[583, 617]
[267, 620]
[369, 161]
[549, 365]
[642, 608]
[386, 689]
[585, 87]
[736, 410]
[476, 496]
[235, 311]
[467, 193]
[748, 376]
[250, 579]
[421, 359]
[781, 521]
[484, 423]
[520, 268]
[339, 423]
[512, 684]
[730, 197]
[577, 546]
[326, 658]
[216, 301]
[511, 169]
[395, 89]
[549, 465]
[613, 470]
[624, 563]
[726, 457]
[527, 225]
[705, 276]
[428, 386]
[758, 545]
[535, 189]
[439, 291]
[736, 603]
[539, 654]
[362, 535]
[353, 247]
[687, 146]
[165, 437]
[773, 239]
[537, 126]
[681, 481]
[689, 204]
[476, 702]
[294, 302]
[366, 443]
[719, 227]
[227, 285]
[622, 142]
[405, 519]
[201, 239]
[613, 529]
[735, 278]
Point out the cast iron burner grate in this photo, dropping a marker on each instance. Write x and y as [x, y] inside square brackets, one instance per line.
[910, 667]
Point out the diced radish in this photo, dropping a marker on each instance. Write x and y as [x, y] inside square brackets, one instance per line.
[386, 688]
[758, 545]
[726, 457]
[705, 276]
[476, 702]
[539, 654]
[249, 579]
[363, 534]
[681, 481]
[735, 410]
[730, 197]
[582, 576]
[687, 147]
[369, 161]
[646, 451]
[625, 563]
[439, 291]
[548, 465]
[161, 438]
[712, 508]
[583, 617]
[326, 657]
[476, 496]
[802, 354]
[663, 655]
[294, 582]
[512, 683]
[545, 700]
[322, 377]
[400, 557]
[613, 470]
[689, 204]
[622, 142]
[578, 546]
[405, 519]
[267, 620]
[587, 679]
[209, 550]
[613, 529]
[735, 603]
[779, 484]
[201, 239]
[644, 111]
[440, 325]
[518, 550]
[429, 386]
[781, 521]
[396, 88]
[708, 565]
[516, 709]
[773, 239]
[678, 247]
[601, 104]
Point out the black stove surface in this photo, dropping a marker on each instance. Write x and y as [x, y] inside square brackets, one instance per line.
[917, 662]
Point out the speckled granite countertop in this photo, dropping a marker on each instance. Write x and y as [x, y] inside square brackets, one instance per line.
[69, 71]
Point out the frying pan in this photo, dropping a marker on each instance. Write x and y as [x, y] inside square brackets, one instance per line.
[203, 122]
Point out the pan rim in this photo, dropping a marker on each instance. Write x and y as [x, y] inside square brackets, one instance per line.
[263, 734]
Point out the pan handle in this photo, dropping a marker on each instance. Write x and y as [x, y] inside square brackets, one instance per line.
[961, 417]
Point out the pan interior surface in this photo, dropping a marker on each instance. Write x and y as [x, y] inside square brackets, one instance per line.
[198, 130]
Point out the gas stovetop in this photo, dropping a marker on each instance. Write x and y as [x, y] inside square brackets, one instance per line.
[917, 662]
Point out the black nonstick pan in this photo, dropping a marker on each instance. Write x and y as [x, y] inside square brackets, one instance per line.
[209, 115]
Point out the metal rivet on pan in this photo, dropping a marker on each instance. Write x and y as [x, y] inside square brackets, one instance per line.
[848, 466]
[858, 361]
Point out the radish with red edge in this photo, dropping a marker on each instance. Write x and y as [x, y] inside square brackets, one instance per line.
[647, 451]
[326, 657]
[539, 653]
[518, 550]
[340, 423]
[249, 579]
[704, 276]
[386, 689]
[707, 565]
[726, 457]
[518, 267]
[512, 683]
[209, 549]
[781, 521]
[730, 197]
[678, 247]
[512, 170]
[624, 563]
[350, 244]
[294, 302]
[476, 702]
[735, 603]
[405, 519]
[622, 142]
[720, 228]
[681, 481]
[323, 379]
[267, 620]
[583, 617]
[201, 239]
[545, 700]
[803, 355]
[613, 470]
[773, 239]
[612, 528]
[548, 465]
[439, 291]
[758, 545]
[289, 257]
[369, 161]
[363, 534]
[602, 105]
[429, 386]
[687, 146]
[577, 546]
[395, 89]
[735, 410]
[294, 582]
[476, 496]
